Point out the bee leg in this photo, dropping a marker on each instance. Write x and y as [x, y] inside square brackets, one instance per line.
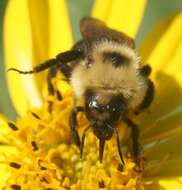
[118, 142]
[83, 140]
[66, 59]
[119, 145]
[145, 70]
[60, 60]
[51, 74]
[74, 124]
[39, 68]
[101, 149]
[149, 96]
[135, 138]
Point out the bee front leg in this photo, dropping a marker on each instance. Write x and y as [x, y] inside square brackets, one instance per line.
[51, 74]
[135, 138]
[74, 124]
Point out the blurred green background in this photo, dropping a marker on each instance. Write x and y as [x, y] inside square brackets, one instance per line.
[155, 11]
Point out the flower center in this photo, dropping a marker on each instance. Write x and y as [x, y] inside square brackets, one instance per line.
[47, 159]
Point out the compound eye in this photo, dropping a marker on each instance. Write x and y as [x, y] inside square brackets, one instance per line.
[93, 104]
[116, 107]
[112, 108]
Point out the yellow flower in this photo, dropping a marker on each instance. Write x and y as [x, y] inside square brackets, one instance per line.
[37, 152]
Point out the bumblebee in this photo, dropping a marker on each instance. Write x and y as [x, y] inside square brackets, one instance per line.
[104, 70]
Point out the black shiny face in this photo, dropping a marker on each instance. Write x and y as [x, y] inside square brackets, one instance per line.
[103, 116]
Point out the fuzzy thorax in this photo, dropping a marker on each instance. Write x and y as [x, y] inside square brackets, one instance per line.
[102, 75]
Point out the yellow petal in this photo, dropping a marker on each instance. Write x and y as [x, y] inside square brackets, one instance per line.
[166, 126]
[164, 158]
[101, 9]
[171, 183]
[4, 129]
[120, 14]
[5, 151]
[38, 18]
[60, 37]
[161, 44]
[19, 54]
[165, 58]
[3, 175]
[161, 126]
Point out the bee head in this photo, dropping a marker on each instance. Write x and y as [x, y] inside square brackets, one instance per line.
[103, 109]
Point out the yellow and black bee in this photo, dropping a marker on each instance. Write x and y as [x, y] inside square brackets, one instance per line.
[105, 70]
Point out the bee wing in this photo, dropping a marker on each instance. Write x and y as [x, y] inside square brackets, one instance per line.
[94, 29]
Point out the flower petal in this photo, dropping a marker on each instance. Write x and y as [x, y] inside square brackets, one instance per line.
[38, 18]
[18, 53]
[121, 15]
[60, 34]
[159, 47]
[101, 10]
[161, 127]
[3, 175]
[171, 183]
[4, 168]
[34, 40]
[166, 126]
[60, 37]
[165, 57]
[164, 158]
[4, 129]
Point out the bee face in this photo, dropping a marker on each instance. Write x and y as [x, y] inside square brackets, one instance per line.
[103, 109]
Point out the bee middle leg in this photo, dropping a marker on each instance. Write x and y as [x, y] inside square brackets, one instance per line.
[135, 138]
[74, 124]
[145, 70]
[149, 96]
